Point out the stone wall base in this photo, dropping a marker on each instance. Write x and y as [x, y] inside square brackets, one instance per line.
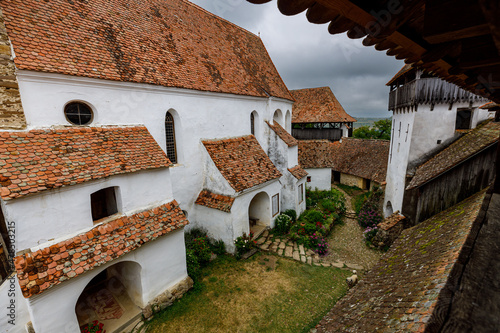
[167, 298]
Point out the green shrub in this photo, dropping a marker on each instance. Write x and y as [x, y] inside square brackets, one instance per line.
[244, 244]
[328, 205]
[312, 216]
[282, 224]
[201, 249]
[193, 233]
[292, 213]
[218, 247]
[359, 200]
[193, 265]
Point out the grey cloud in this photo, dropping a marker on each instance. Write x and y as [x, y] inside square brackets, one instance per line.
[306, 55]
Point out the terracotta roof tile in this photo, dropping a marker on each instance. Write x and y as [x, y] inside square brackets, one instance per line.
[318, 105]
[470, 144]
[401, 292]
[315, 154]
[283, 134]
[47, 267]
[42, 159]
[215, 201]
[362, 157]
[391, 221]
[242, 162]
[298, 172]
[359, 157]
[172, 43]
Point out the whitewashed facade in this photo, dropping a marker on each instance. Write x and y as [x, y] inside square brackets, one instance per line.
[421, 128]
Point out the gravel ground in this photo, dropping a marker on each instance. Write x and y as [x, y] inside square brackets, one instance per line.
[346, 243]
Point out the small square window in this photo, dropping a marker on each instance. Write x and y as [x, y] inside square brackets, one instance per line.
[103, 203]
[308, 179]
[276, 204]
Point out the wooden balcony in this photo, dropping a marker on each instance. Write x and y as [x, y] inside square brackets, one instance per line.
[429, 91]
[332, 134]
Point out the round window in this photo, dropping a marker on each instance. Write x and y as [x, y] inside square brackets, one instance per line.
[78, 113]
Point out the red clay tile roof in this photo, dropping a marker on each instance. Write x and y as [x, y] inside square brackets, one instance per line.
[283, 134]
[406, 68]
[42, 159]
[362, 157]
[492, 106]
[359, 157]
[215, 201]
[476, 140]
[298, 172]
[315, 154]
[171, 43]
[400, 293]
[318, 105]
[242, 162]
[47, 267]
[391, 221]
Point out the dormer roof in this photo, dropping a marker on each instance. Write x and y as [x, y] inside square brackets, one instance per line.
[242, 162]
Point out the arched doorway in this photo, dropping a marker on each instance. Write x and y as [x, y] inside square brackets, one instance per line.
[259, 213]
[113, 297]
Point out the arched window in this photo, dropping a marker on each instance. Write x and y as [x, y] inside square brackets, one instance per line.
[170, 137]
[252, 123]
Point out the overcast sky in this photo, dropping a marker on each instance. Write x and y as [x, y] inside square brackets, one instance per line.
[307, 56]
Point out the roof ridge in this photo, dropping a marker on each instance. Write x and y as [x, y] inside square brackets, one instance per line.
[219, 17]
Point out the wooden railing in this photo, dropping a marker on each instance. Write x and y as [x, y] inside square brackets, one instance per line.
[332, 134]
[429, 91]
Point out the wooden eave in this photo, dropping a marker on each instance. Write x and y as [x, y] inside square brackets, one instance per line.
[457, 40]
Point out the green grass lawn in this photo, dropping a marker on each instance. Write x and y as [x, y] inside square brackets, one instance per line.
[263, 294]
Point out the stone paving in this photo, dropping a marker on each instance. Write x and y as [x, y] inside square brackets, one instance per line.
[289, 249]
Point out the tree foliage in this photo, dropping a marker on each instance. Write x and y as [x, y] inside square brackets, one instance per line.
[381, 130]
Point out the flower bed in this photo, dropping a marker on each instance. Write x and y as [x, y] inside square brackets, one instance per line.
[325, 210]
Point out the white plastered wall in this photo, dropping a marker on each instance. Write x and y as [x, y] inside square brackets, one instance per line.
[59, 213]
[438, 124]
[398, 158]
[420, 131]
[163, 264]
[197, 115]
[321, 178]
[229, 226]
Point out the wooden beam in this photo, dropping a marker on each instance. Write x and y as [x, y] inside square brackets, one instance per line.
[491, 11]
[449, 20]
[340, 24]
[294, 7]
[320, 14]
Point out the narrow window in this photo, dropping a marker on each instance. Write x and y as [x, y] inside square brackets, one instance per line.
[463, 119]
[103, 203]
[252, 123]
[78, 113]
[170, 135]
[276, 204]
[301, 193]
